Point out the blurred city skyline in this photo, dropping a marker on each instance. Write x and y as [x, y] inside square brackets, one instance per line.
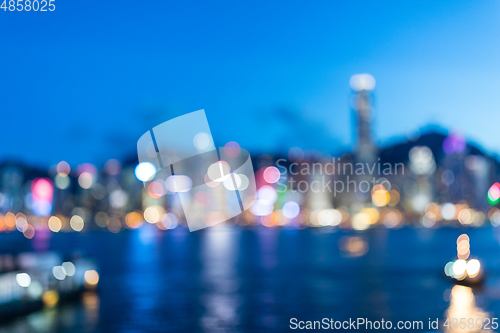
[270, 76]
[357, 175]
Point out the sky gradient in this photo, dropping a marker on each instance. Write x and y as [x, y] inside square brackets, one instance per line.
[84, 82]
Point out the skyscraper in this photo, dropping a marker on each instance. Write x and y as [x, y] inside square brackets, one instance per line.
[362, 86]
[365, 150]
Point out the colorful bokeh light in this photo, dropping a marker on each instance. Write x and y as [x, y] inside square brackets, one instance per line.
[494, 194]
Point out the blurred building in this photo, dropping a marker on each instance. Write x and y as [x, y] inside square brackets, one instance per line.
[430, 178]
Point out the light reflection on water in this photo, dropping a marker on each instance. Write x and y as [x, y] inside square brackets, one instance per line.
[221, 300]
[229, 279]
[463, 305]
[84, 317]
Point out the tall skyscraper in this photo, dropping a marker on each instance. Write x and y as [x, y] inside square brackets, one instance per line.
[365, 150]
[362, 86]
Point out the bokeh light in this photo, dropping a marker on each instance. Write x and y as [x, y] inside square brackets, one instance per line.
[85, 180]
[291, 209]
[232, 149]
[145, 171]
[178, 183]
[23, 280]
[55, 224]
[134, 220]
[63, 169]
[271, 175]
[153, 214]
[76, 223]
[156, 189]
[219, 171]
[91, 277]
[202, 141]
[494, 194]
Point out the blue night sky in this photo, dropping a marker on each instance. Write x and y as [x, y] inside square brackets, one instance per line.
[83, 83]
